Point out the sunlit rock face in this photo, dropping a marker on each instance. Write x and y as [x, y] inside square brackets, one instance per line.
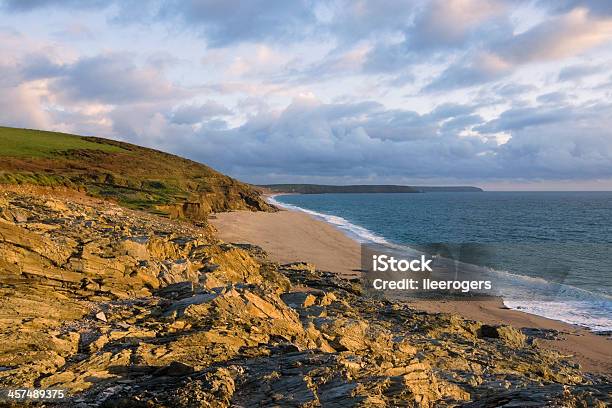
[120, 306]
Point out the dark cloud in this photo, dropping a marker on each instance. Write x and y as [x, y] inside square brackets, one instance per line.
[521, 118]
[357, 20]
[108, 78]
[231, 21]
[552, 97]
[451, 110]
[27, 5]
[113, 79]
[37, 66]
[577, 72]
[548, 145]
[470, 72]
[389, 58]
[460, 123]
[575, 146]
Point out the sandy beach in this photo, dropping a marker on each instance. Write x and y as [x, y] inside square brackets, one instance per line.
[290, 236]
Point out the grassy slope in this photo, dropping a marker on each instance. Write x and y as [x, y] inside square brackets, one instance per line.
[35, 143]
[135, 176]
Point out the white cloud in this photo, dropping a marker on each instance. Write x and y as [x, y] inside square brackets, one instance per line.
[560, 37]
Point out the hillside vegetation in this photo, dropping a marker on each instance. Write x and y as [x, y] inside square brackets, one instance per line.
[134, 176]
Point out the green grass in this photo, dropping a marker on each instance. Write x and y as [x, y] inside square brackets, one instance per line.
[37, 143]
[36, 179]
[131, 175]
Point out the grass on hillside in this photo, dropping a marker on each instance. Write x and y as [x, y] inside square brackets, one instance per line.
[36, 143]
[134, 176]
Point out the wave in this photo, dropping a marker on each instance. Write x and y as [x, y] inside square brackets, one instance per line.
[528, 294]
[360, 234]
[555, 300]
[579, 313]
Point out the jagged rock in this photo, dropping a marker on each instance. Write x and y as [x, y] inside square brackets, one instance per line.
[508, 334]
[176, 290]
[189, 321]
[552, 395]
[298, 299]
[175, 369]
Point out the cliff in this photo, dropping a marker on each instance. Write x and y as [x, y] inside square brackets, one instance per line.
[133, 176]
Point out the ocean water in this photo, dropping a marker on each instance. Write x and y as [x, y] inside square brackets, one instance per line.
[550, 251]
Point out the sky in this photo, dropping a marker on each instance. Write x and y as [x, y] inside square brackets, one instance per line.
[502, 94]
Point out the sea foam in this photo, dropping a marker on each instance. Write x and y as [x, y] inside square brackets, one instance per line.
[358, 233]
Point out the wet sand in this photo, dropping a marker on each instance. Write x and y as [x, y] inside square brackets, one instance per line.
[291, 236]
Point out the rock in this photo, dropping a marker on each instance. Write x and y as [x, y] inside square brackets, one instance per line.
[176, 290]
[298, 299]
[176, 369]
[507, 334]
[191, 321]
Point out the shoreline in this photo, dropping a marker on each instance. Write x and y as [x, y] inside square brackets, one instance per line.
[292, 236]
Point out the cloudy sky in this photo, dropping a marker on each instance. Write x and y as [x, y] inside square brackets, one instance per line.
[496, 93]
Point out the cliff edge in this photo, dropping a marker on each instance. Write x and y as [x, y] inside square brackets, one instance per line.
[136, 177]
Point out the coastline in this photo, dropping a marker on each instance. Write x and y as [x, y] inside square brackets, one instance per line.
[291, 236]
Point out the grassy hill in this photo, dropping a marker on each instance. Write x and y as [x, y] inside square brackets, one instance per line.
[134, 176]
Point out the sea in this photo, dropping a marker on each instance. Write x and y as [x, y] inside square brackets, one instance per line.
[551, 252]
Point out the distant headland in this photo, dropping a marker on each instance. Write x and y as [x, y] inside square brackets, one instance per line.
[363, 188]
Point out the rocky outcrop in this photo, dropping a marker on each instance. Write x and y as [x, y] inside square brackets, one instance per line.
[126, 309]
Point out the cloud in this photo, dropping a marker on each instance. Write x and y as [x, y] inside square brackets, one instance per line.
[521, 118]
[577, 72]
[484, 68]
[191, 114]
[448, 23]
[28, 5]
[39, 66]
[109, 78]
[113, 79]
[560, 37]
[552, 97]
[353, 21]
[556, 38]
[573, 145]
[20, 106]
[313, 139]
[600, 7]
[310, 140]
[324, 90]
[75, 31]
[235, 21]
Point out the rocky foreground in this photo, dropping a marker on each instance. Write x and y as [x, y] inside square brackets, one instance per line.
[126, 309]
